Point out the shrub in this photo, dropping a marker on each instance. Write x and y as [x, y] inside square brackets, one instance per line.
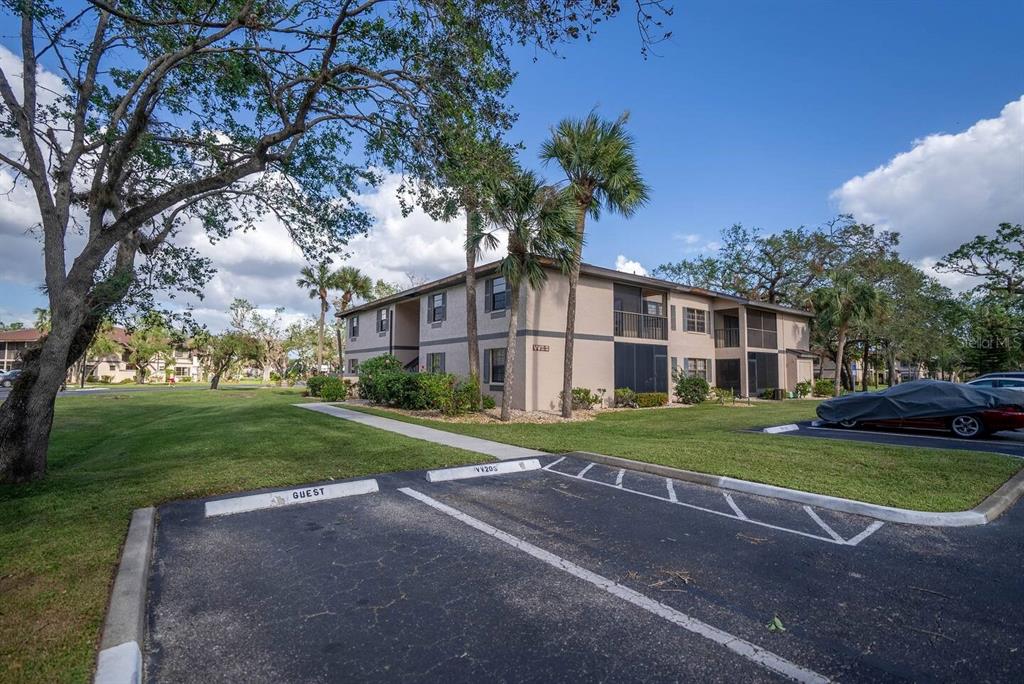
[375, 373]
[725, 395]
[691, 389]
[768, 393]
[466, 396]
[186, 378]
[803, 389]
[583, 398]
[824, 388]
[105, 379]
[315, 384]
[332, 388]
[651, 399]
[275, 376]
[488, 402]
[625, 398]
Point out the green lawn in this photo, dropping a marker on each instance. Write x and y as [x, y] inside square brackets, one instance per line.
[60, 539]
[709, 439]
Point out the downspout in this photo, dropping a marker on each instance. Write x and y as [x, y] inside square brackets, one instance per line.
[391, 331]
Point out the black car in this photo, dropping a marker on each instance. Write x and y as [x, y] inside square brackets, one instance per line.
[7, 379]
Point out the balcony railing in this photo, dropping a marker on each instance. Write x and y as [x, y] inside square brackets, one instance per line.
[644, 326]
[727, 337]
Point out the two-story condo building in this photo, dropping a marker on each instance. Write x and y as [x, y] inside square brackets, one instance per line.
[631, 331]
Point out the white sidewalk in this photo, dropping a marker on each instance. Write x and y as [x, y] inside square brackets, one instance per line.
[480, 446]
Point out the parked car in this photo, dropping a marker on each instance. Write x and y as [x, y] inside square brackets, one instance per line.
[7, 379]
[965, 410]
[1002, 382]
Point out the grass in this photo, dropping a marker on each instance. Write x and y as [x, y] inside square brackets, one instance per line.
[60, 539]
[709, 439]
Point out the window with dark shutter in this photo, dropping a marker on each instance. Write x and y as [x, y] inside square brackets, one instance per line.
[487, 366]
[497, 366]
[382, 320]
[696, 320]
[437, 305]
[353, 327]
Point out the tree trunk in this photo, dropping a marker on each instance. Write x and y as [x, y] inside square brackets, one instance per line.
[266, 373]
[510, 351]
[840, 347]
[320, 336]
[570, 318]
[891, 358]
[215, 380]
[864, 372]
[472, 330]
[27, 414]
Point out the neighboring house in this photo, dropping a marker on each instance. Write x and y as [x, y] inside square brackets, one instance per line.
[631, 331]
[113, 368]
[907, 371]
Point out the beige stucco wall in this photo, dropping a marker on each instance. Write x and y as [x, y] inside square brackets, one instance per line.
[690, 345]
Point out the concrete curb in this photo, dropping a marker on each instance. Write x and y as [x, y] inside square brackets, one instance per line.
[120, 657]
[989, 509]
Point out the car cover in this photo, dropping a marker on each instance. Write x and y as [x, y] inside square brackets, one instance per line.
[917, 399]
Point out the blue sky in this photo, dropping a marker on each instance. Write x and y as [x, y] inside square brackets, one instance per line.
[754, 112]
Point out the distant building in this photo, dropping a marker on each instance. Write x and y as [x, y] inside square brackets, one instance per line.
[112, 368]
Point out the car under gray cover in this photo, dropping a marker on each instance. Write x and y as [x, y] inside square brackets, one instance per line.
[917, 399]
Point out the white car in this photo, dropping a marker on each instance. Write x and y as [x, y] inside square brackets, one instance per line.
[1000, 383]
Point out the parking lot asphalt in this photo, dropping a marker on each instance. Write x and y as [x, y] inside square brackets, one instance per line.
[1010, 443]
[577, 572]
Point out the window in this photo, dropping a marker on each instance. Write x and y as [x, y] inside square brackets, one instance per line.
[696, 320]
[982, 383]
[697, 368]
[435, 362]
[353, 366]
[181, 371]
[437, 307]
[495, 295]
[494, 366]
[653, 308]
[761, 329]
[112, 366]
[1011, 384]
[353, 327]
[641, 367]
[382, 320]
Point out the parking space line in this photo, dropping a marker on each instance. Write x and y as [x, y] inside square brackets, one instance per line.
[672, 498]
[618, 478]
[555, 462]
[871, 529]
[823, 525]
[732, 504]
[584, 471]
[741, 647]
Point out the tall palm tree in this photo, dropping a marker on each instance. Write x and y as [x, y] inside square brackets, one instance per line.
[352, 283]
[839, 305]
[541, 225]
[319, 280]
[600, 165]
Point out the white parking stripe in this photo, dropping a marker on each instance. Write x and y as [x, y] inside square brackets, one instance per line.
[671, 499]
[741, 647]
[555, 462]
[871, 529]
[584, 471]
[732, 504]
[823, 525]
[618, 478]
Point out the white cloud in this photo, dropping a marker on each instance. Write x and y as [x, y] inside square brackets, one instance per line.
[687, 238]
[629, 266]
[947, 189]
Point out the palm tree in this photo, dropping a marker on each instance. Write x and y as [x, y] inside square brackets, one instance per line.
[600, 165]
[42, 323]
[541, 225]
[319, 280]
[839, 305]
[352, 283]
